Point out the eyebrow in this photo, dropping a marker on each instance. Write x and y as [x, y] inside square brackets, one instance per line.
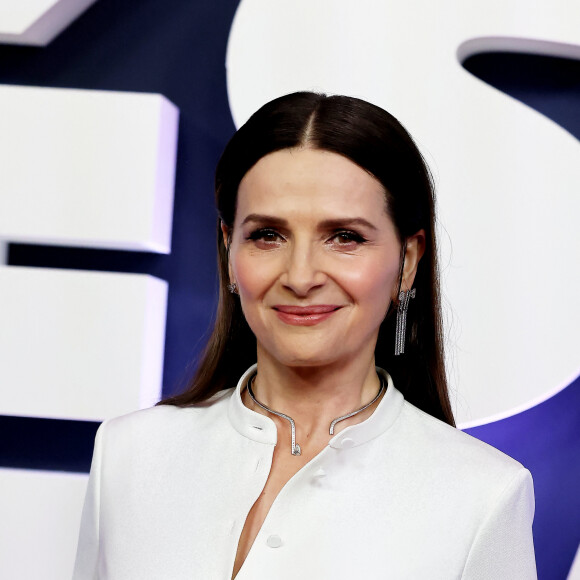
[325, 224]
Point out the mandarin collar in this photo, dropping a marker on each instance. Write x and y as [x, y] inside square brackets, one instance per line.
[262, 429]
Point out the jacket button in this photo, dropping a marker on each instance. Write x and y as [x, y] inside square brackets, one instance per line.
[274, 541]
[347, 443]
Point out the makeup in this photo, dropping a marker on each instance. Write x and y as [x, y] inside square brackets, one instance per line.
[305, 315]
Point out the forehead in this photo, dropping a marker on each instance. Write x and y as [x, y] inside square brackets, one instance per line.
[303, 180]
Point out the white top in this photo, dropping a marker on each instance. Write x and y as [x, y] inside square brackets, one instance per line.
[400, 495]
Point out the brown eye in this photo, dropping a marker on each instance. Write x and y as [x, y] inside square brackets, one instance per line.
[266, 235]
[347, 237]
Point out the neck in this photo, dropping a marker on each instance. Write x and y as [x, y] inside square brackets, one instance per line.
[315, 396]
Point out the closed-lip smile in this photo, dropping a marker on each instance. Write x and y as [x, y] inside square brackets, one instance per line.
[305, 315]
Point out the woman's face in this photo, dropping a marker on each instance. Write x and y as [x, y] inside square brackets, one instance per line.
[315, 257]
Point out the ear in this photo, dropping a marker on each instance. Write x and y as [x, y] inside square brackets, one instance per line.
[413, 254]
[226, 233]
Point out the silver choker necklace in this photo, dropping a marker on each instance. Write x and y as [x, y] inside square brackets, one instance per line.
[295, 447]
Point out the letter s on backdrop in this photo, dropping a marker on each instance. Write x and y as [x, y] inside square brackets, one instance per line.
[507, 177]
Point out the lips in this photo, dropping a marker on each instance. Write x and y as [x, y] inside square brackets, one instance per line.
[305, 315]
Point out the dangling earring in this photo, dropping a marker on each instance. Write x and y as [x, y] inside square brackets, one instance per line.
[404, 299]
[232, 286]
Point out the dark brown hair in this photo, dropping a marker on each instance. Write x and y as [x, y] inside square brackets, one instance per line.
[376, 141]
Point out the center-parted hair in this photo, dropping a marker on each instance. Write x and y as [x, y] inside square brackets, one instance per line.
[378, 143]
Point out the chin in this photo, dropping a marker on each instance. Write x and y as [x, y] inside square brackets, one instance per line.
[307, 358]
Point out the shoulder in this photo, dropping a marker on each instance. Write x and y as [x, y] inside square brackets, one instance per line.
[455, 457]
[477, 495]
[165, 424]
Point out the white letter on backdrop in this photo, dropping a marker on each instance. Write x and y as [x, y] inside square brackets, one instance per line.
[507, 177]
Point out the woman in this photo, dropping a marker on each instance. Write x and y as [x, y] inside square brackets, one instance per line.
[335, 456]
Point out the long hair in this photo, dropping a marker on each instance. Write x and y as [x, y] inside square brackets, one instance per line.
[377, 142]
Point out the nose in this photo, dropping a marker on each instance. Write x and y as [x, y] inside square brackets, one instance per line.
[302, 273]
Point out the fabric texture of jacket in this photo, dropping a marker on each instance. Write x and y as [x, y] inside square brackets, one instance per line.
[400, 495]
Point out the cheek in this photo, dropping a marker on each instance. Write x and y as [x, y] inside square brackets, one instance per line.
[253, 276]
[372, 282]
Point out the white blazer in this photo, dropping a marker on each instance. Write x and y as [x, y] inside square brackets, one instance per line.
[399, 496]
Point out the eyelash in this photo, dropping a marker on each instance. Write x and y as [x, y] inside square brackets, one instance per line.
[261, 233]
[351, 236]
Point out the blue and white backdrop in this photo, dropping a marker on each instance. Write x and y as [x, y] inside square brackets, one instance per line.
[112, 117]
